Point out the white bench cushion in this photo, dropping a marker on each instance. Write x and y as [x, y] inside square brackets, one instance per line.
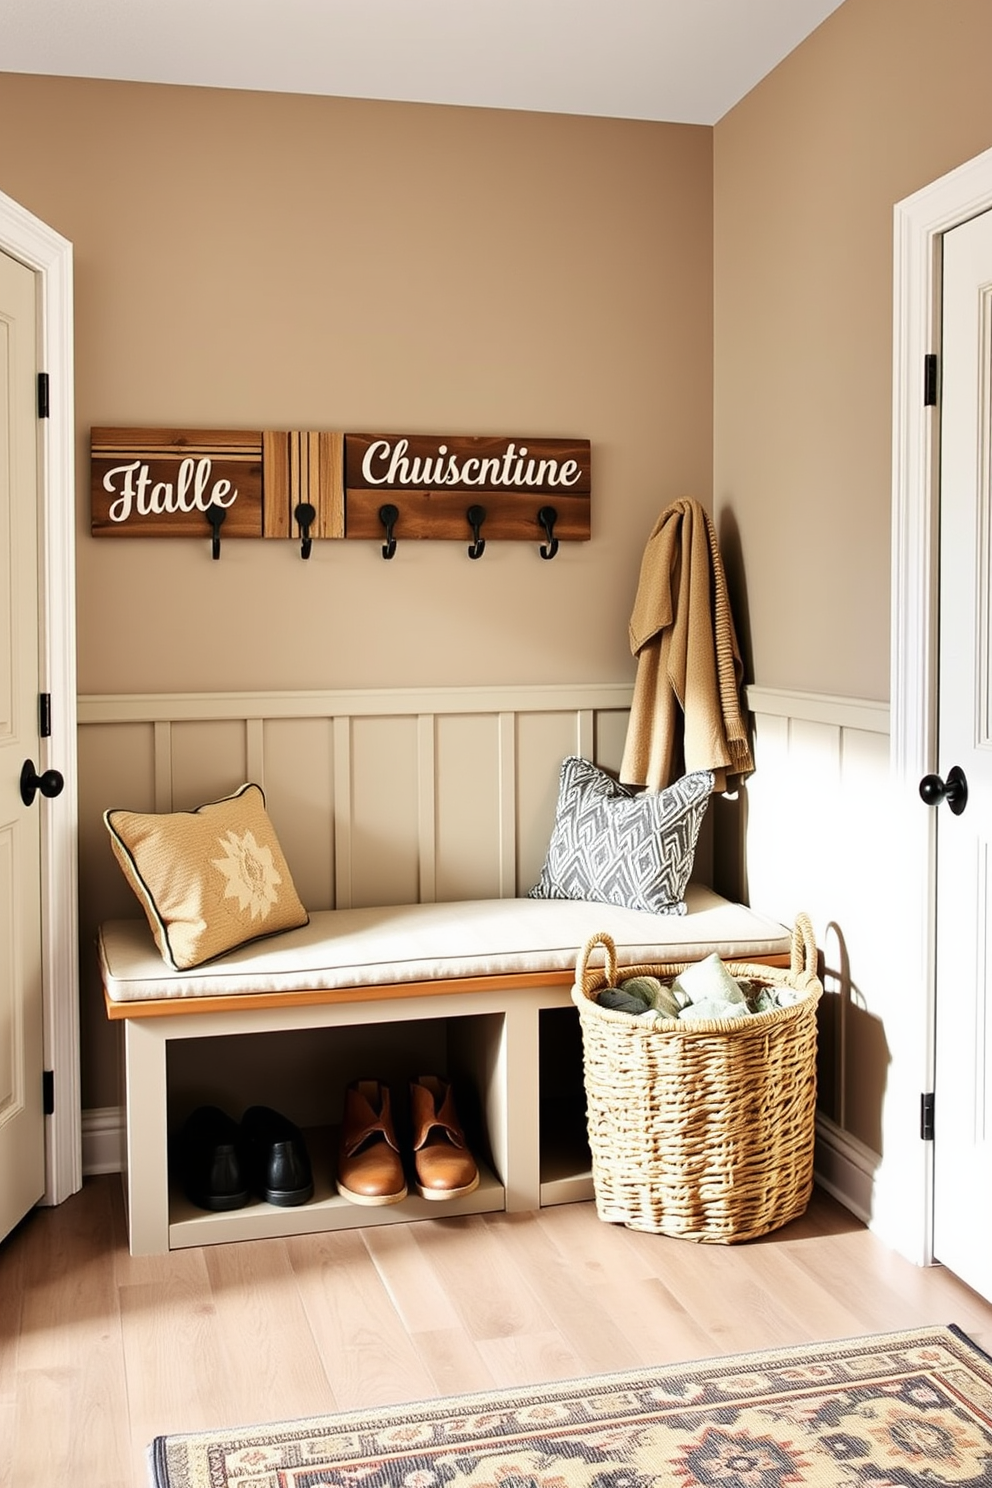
[343, 948]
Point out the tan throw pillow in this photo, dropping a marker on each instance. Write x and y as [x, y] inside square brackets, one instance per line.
[209, 879]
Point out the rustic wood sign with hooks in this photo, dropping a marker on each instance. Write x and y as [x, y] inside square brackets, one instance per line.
[457, 487]
[226, 483]
[307, 485]
[163, 482]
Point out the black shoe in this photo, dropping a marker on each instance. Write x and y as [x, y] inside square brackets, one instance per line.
[213, 1160]
[279, 1158]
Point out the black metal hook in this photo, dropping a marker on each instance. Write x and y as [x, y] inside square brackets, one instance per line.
[306, 515]
[547, 517]
[215, 516]
[389, 516]
[475, 516]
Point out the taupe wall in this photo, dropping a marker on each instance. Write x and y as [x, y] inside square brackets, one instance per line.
[270, 261]
[885, 97]
[263, 261]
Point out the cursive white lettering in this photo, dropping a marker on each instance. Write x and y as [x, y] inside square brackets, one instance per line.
[377, 450]
[159, 500]
[183, 482]
[399, 465]
[135, 494]
[120, 509]
[508, 454]
[389, 463]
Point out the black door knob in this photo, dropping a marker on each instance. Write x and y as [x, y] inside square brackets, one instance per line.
[953, 790]
[50, 784]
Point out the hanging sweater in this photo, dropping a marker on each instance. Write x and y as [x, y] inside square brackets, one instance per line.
[686, 712]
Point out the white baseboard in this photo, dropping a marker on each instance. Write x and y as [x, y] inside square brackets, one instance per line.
[845, 1168]
[103, 1140]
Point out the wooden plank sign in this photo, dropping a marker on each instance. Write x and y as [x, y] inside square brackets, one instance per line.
[433, 480]
[302, 466]
[160, 482]
[163, 483]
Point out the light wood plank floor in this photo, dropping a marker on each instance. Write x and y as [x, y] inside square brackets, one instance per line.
[100, 1352]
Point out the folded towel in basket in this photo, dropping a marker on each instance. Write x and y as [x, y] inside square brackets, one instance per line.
[705, 990]
[709, 981]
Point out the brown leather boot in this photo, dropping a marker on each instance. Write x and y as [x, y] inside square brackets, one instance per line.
[369, 1167]
[445, 1168]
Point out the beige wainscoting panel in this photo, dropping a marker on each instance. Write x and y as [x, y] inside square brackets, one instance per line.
[298, 768]
[209, 759]
[543, 740]
[818, 814]
[611, 736]
[384, 811]
[384, 796]
[865, 954]
[467, 806]
[116, 766]
[378, 797]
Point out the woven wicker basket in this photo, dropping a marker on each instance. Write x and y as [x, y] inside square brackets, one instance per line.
[702, 1130]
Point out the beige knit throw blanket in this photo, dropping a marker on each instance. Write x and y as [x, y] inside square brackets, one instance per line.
[686, 712]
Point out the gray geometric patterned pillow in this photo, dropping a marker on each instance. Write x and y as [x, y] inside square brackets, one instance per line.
[616, 847]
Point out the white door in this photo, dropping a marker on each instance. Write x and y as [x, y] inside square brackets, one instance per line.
[963, 1049]
[22, 1127]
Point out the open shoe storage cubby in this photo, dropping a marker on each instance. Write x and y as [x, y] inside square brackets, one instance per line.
[514, 1057]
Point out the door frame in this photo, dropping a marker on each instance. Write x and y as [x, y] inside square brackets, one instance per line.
[25, 238]
[919, 224]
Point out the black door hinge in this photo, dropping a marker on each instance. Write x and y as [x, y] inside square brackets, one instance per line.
[926, 1117]
[45, 714]
[48, 1091]
[930, 380]
[43, 395]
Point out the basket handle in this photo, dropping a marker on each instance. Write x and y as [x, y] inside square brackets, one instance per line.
[803, 946]
[609, 945]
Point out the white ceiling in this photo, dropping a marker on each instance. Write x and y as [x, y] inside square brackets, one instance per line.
[684, 61]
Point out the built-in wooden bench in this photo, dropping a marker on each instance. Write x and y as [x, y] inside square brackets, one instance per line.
[478, 991]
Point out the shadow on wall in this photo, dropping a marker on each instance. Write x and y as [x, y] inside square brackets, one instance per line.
[729, 813]
[853, 1054]
[729, 538]
[728, 826]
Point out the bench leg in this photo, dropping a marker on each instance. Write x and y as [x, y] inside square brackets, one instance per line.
[147, 1170]
[519, 1122]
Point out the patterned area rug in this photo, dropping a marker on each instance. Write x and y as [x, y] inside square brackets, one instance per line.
[899, 1410]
